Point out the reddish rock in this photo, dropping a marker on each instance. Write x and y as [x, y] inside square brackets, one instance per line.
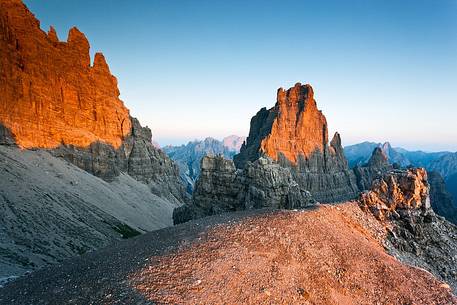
[299, 127]
[396, 192]
[294, 133]
[50, 92]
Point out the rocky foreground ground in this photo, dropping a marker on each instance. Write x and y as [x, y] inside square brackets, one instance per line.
[330, 254]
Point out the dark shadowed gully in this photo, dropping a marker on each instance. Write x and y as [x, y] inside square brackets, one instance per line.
[324, 255]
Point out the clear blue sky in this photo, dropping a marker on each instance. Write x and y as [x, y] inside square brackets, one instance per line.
[381, 69]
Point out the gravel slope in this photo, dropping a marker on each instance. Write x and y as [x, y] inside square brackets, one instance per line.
[325, 255]
[51, 210]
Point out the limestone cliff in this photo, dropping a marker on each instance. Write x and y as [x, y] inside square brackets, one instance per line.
[222, 187]
[53, 98]
[441, 200]
[51, 93]
[294, 132]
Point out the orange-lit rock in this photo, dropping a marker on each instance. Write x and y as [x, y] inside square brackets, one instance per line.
[299, 127]
[396, 192]
[294, 133]
[50, 93]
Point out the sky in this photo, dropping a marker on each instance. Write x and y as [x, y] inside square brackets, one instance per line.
[382, 70]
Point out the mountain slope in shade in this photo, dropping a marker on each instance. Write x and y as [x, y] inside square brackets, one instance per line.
[52, 210]
[446, 165]
[359, 154]
[441, 199]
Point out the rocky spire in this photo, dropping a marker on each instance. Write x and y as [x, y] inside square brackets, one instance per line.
[52, 34]
[78, 41]
[100, 63]
[299, 128]
[378, 159]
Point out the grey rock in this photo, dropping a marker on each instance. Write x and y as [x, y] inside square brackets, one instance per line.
[137, 156]
[51, 210]
[222, 187]
[325, 175]
[375, 168]
[441, 200]
[416, 235]
[6, 137]
[446, 165]
[188, 157]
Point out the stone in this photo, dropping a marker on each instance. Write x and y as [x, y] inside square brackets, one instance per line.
[375, 168]
[188, 157]
[54, 99]
[294, 133]
[441, 200]
[416, 235]
[50, 92]
[397, 193]
[222, 187]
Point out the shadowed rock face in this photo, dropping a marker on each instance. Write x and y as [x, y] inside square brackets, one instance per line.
[222, 187]
[376, 166]
[136, 156]
[440, 199]
[295, 134]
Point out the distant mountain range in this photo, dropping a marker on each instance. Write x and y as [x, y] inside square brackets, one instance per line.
[359, 154]
[188, 156]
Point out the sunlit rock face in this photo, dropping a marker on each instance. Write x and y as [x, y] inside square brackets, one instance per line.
[400, 200]
[299, 128]
[50, 92]
[52, 98]
[397, 193]
[294, 133]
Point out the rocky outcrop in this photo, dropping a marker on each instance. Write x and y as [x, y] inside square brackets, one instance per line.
[293, 128]
[294, 133]
[286, 155]
[224, 188]
[54, 99]
[398, 194]
[51, 94]
[416, 235]
[188, 157]
[441, 200]
[376, 166]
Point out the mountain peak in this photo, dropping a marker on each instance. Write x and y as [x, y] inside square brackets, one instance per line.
[298, 127]
[378, 159]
